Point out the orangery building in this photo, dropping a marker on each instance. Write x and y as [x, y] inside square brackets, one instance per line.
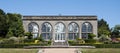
[60, 28]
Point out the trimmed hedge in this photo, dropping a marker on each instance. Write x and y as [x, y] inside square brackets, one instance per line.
[99, 45]
[19, 45]
[90, 41]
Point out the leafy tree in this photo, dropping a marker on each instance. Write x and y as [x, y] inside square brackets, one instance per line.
[10, 24]
[116, 31]
[3, 23]
[103, 28]
[9, 34]
[15, 24]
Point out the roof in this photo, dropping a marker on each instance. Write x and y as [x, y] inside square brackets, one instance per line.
[71, 17]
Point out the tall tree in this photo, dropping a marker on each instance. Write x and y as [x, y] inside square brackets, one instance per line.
[3, 23]
[15, 24]
[116, 31]
[103, 28]
[10, 24]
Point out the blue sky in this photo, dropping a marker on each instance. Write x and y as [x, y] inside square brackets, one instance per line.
[106, 9]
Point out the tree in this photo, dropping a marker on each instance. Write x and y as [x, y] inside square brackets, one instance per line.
[116, 31]
[9, 34]
[103, 28]
[15, 24]
[3, 23]
[10, 24]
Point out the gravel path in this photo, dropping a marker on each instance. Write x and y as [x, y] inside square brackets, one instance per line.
[58, 50]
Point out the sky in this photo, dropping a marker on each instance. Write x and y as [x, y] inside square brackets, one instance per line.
[109, 10]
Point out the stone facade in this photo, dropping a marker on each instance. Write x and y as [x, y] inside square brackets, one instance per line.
[66, 20]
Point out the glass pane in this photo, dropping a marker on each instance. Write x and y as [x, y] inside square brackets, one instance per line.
[44, 35]
[43, 28]
[35, 35]
[89, 28]
[70, 36]
[59, 27]
[63, 36]
[70, 28]
[75, 35]
[30, 28]
[84, 28]
[46, 27]
[33, 27]
[84, 35]
[73, 27]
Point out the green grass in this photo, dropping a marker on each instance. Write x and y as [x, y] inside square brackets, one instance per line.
[101, 50]
[16, 50]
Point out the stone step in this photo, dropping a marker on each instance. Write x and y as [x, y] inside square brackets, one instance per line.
[60, 44]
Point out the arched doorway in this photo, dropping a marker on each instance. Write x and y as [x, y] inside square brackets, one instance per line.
[59, 32]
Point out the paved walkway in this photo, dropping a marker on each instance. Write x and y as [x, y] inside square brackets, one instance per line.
[58, 50]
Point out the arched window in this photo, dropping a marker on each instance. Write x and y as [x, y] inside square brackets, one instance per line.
[59, 32]
[86, 29]
[46, 31]
[73, 30]
[33, 28]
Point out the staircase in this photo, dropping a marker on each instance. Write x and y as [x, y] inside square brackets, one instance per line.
[60, 43]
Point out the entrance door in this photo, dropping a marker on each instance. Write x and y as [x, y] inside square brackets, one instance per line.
[59, 32]
[60, 37]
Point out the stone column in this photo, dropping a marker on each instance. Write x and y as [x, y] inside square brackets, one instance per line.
[66, 31]
[53, 29]
[80, 28]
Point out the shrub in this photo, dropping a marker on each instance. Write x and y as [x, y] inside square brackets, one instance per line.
[36, 41]
[19, 45]
[99, 45]
[90, 41]
[104, 38]
[71, 41]
[29, 34]
[91, 36]
[40, 38]
[14, 39]
[49, 42]
[28, 40]
[80, 41]
[11, 40]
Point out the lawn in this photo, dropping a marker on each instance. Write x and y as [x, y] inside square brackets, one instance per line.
[101, 50]
[11, 50]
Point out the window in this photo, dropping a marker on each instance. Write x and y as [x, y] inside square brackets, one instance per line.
[73, 30]
[33, 28]
[46, 31]
[60, 31]
[86, 29]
